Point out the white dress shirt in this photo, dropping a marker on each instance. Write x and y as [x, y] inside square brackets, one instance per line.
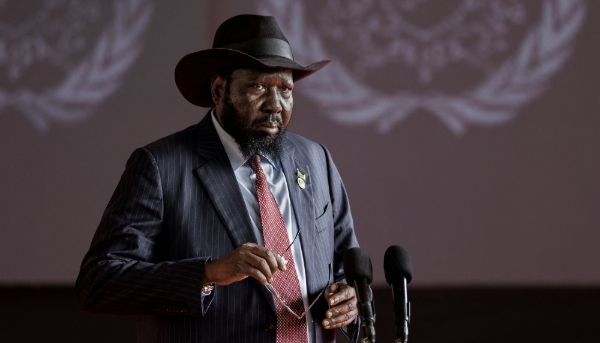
[277, 182]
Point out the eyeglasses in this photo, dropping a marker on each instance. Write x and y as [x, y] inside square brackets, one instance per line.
[287, 307]
[280, 298]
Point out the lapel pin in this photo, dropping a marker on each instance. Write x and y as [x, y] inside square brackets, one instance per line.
[301, 178]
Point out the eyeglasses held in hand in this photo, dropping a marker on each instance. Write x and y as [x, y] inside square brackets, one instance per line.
[287, 307]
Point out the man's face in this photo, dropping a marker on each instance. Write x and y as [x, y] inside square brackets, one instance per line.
[255, 107]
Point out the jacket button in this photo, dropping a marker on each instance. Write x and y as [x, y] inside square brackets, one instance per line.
[269, 327]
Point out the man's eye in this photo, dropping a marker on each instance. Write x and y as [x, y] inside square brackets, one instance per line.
[286, 90]
[259, 87]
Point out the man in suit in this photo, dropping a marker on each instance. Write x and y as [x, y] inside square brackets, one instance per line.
[232, 229]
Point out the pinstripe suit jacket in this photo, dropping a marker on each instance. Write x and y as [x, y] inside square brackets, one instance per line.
[178, 205]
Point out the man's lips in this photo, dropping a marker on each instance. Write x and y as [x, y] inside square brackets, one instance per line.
[269, 127]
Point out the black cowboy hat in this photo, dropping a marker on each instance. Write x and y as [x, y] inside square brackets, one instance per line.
[243, 41]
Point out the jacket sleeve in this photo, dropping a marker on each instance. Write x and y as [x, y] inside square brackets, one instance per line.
[344, 235]
[118, 275]
[343, 225]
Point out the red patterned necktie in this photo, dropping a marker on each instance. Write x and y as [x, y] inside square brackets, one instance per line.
[289, 328]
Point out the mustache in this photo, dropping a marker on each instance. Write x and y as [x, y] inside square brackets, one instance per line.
[268, 117]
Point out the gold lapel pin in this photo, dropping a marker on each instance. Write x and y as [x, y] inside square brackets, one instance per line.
[301, 178]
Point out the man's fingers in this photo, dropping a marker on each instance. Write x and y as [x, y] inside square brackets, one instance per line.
[344, 293]
[330, 291]
[262, 265]
[342, 301]
[247, 260]
[281, 262]
[248, 270]
[275, 261]
[340, 320]
[343, 308]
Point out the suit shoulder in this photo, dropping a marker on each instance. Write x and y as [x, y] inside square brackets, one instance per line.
[305, 144]
[174, 143]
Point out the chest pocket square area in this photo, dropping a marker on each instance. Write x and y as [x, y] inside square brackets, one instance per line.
[323, 219]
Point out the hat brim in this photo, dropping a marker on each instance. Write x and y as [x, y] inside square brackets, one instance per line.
[194, 71]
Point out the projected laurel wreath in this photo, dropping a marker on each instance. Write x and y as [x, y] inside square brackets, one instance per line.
[515, 82]
[95, 77]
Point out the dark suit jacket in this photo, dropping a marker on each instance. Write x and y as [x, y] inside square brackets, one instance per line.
[178, 205]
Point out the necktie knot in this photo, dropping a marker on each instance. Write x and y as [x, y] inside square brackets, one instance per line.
[255, 163]
[262, 187]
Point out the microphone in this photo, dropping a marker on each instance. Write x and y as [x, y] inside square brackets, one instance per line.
[359, 274]
[398, 273]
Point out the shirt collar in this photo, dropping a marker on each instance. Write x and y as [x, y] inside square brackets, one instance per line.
[236, 158]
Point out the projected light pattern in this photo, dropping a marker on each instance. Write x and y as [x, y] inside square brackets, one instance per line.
[378, 37]
[52, 38]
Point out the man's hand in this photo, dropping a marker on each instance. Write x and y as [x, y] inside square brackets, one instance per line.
[249, 259]
[342, 306]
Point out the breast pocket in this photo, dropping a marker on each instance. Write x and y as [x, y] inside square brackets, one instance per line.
[323, 220]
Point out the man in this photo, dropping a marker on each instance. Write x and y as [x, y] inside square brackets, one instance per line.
[230, 230]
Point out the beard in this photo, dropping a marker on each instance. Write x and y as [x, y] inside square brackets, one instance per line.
[251, 141]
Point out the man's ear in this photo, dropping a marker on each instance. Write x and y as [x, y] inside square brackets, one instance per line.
[217, 88]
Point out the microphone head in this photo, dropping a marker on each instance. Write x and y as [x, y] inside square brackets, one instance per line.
[397, 265]
[357, 264]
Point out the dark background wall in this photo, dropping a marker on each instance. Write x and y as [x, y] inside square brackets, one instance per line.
[487, 172]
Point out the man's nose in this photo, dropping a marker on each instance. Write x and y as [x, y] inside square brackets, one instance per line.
[272, 102]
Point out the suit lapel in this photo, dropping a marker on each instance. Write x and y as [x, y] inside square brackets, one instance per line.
[302, 203]
[220, 182]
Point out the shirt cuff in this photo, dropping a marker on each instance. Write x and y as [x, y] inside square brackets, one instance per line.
[206, 299]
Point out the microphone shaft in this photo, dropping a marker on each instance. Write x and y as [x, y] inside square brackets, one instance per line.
[366, 310]
[402, 309]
